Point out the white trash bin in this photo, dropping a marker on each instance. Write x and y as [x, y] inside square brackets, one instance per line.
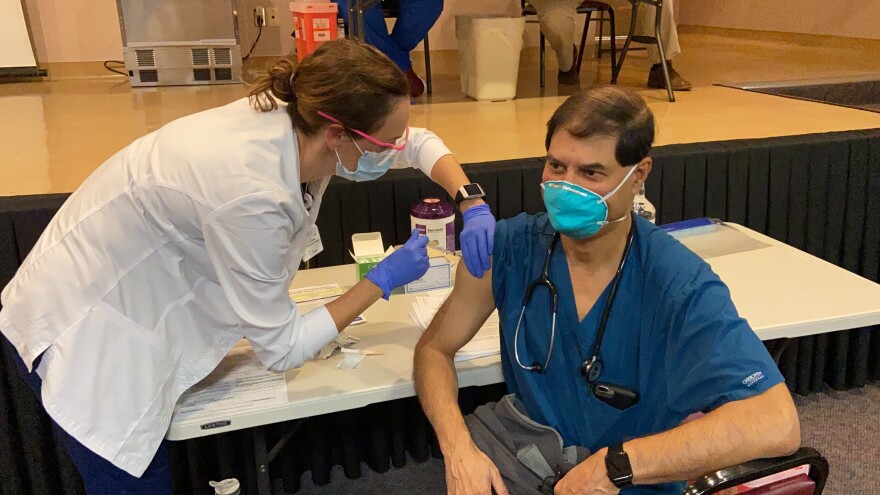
[489, 47]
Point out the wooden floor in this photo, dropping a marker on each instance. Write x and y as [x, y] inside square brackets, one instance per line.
[54, 133]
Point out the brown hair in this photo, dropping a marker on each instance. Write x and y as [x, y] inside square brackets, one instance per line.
[608, 111]
[348, 80]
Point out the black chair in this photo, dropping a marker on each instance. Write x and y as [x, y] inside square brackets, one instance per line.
[760, 468]
[647, 40]
[391, 10]
[586, 7]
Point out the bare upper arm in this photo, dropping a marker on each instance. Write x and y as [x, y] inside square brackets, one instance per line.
[772, 411]
[466, 309]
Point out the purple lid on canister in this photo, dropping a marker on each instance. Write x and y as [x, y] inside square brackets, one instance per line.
[431, 209]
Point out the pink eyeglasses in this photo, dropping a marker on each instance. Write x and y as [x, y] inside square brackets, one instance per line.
[398, 145]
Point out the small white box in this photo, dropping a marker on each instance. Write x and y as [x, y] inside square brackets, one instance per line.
[368, 251]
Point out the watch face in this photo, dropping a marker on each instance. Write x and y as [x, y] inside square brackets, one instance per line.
[618, 466]
[473, 189]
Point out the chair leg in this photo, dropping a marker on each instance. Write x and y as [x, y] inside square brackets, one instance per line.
[659, 40]
[360, 21]
[601, 26]
[428, 87]
[352, 21]
[583, 41]
[632, 30]
[613, 47]
[542, 57]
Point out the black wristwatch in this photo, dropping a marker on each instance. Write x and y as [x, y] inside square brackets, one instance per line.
[469, 191]
[617, 464]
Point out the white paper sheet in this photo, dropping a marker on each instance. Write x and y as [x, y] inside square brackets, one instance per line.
[717, 240]
[304, 294]
[351, 361]
[309, 298]
[485, 343]
[239, 382]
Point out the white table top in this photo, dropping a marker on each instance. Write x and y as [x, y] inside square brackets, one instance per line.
[785, 292]
[781, 291]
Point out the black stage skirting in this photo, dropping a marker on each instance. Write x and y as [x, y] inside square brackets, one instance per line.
[819, 193]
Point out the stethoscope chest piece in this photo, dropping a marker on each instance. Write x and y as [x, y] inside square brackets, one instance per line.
[592, 369]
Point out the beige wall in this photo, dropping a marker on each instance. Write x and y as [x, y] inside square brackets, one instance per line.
[849, 18]
[74, 30]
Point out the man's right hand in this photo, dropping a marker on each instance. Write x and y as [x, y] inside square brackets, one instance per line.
[470, 472]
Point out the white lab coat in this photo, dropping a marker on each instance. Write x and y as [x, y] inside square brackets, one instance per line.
[175, 248]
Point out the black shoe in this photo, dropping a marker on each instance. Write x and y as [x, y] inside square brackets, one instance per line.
[569, 77]
[656, 80]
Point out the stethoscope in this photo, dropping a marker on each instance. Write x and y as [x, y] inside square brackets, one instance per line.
[591, 369]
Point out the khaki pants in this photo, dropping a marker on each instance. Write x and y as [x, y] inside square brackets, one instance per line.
[557, 18]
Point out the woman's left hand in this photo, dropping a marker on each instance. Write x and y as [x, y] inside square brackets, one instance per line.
[478, 239]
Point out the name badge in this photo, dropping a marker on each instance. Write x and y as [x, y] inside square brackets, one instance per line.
[314, 246]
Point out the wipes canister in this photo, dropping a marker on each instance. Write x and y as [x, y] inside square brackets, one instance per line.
[435, 219]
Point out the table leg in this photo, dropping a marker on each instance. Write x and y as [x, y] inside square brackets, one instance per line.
[261, 458]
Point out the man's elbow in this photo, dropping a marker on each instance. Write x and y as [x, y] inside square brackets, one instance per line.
[423, 351]
[789, 438]
[420, 346]
[770, 422]
[429, 356]
[427, 344]
[785, 431]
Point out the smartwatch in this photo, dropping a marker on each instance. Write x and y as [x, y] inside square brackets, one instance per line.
[617, 464]
[469, 191]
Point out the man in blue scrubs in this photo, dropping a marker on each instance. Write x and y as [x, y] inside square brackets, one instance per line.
[673, 337]
[411, 26]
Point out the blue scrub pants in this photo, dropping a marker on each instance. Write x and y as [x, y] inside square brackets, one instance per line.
[99, 476]
[415, 20]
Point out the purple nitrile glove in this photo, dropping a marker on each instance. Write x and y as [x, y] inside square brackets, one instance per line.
[478, 239]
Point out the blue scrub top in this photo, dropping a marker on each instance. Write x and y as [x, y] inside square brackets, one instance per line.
[673, 334]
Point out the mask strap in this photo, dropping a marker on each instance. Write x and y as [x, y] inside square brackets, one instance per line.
[633, 169]
[615, 221]
[356, 146]
[339, 161]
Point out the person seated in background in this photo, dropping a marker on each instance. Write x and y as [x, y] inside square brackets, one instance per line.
[412, 25]
[637, 334]
[557, 23]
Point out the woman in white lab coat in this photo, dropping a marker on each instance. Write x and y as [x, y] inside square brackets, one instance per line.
[188, 239]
